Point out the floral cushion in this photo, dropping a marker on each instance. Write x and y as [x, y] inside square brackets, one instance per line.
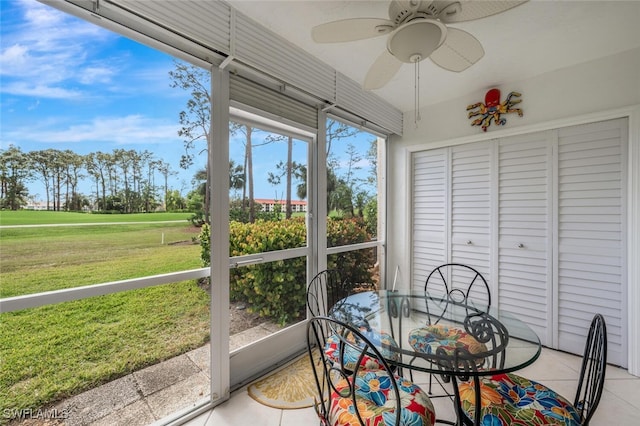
[431, 337]
[376, 402]
[351, 354]
[509, 399]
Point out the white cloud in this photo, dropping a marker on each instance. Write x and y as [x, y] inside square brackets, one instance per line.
[96, 74]
[46, 49]
[22, 88]
[46, 53]
[126, 130]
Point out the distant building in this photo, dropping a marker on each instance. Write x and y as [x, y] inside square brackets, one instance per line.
[269, 205]
[37, 205]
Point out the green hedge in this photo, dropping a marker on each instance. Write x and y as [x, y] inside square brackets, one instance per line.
[277, 290]
[355, 266]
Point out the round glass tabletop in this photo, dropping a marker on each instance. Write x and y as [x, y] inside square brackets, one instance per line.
[434, 334]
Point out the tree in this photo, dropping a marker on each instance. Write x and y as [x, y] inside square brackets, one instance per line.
[57, 167]
[350, 180]
[289, 170]
[165, 170]
[74, 164]
[301, 188]
[337, 130]
[124, 180]
[174, 201]
[41, 163]
[97, 164]
[122, 164]
[196, 119]
[196, 197]
[236, 176]
[14, 172]
[248, 132]
[247, 180]
[336, 192]
[249, 170]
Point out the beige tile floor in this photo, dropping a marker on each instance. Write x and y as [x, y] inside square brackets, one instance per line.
[620, 404]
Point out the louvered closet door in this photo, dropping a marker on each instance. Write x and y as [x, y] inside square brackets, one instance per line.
[429, 214]
[524, 212]
[471, 198]
[591, 234]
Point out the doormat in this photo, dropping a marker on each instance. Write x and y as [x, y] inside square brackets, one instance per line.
[291, 387]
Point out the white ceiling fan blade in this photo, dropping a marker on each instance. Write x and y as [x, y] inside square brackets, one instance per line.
[351, 30]
[459, 51]
[470, 9]
[382, 70]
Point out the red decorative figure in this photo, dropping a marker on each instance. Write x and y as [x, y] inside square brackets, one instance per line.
[492, 109]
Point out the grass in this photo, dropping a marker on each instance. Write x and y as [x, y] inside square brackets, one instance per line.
[44, 259]
[52, 352]
[31, 217]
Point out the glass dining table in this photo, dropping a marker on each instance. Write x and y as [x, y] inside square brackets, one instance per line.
[398, 313]
[507, 344]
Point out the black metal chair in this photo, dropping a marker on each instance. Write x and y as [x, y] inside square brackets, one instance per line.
[493, 338]
[324, 290]
[506, 398]
[448, 285]
[360, 396]
[456, 283]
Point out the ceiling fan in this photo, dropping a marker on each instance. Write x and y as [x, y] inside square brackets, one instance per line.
[416, 30]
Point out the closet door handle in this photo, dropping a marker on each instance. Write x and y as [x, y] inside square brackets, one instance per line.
[520, 245]
[469, 242]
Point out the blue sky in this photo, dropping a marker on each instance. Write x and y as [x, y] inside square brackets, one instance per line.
[69, 84]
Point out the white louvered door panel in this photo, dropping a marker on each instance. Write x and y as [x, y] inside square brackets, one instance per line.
[524, 216]
[591, 235]
[429, 214]
[471, 209]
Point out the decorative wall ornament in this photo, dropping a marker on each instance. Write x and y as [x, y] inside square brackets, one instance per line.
[492, 109]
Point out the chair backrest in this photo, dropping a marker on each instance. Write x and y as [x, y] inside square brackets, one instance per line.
[324, 290]
[458, 284]
[594, 366]
[333, 380]
[493, 336]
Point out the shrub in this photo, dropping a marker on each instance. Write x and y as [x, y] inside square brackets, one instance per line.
[277, 290]
[205, 244]
[355, 266]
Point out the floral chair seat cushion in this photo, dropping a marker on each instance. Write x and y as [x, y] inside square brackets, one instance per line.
[382, 341]
[431, 337]
[509, 399]
[376, 402]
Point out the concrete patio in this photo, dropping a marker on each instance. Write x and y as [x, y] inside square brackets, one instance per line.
[148, 395]
[620, 404]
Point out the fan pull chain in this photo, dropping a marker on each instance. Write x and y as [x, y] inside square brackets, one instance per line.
[416, 102]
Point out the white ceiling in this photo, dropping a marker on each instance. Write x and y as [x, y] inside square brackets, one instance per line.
[536, 37]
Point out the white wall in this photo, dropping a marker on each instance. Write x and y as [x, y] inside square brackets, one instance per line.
[592, 91]
[599, 85]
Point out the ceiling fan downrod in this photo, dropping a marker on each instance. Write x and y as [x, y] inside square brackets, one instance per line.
[416, 102]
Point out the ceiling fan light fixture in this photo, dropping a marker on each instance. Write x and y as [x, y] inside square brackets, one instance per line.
[420, 37]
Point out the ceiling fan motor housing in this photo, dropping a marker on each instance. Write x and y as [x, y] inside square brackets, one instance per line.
[401, 11]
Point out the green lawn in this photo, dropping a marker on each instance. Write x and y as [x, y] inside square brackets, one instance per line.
[55, 351]
[51, 258]
[31, 217]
